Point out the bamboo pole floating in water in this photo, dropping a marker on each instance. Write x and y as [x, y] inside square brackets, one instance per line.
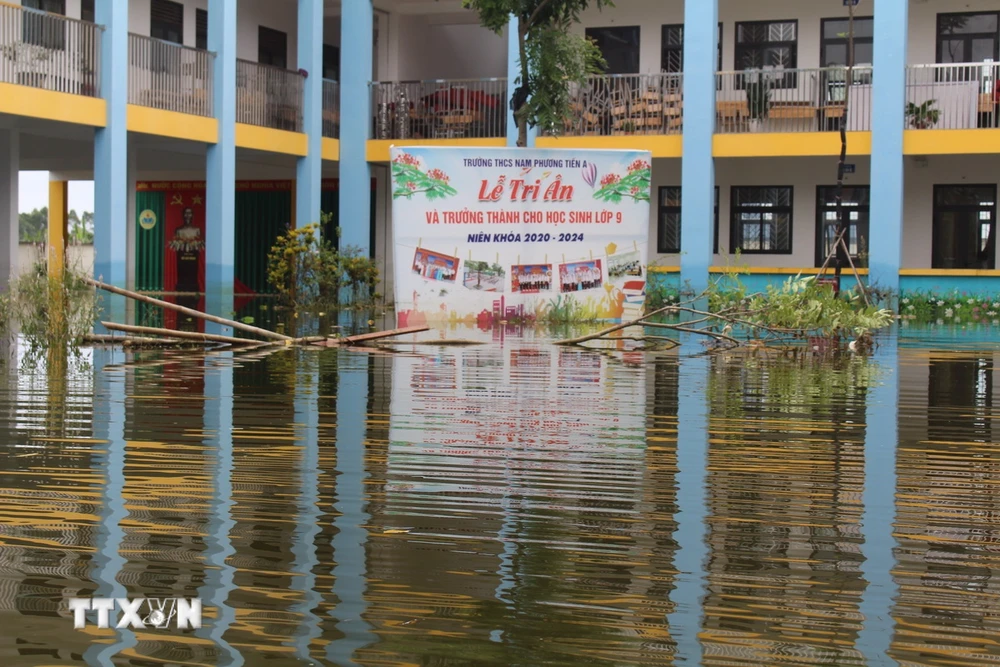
[360, 338]
[186, 335]
[104, 339]
[189, 311]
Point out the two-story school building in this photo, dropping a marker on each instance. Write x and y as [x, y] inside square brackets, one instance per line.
[207, 126]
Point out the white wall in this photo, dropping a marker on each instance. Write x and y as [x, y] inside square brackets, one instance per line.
[272, 14]
[803, 174]
[79, 257]
[651, 15]
[447, 46]
[138, 18]
[275, 14]
[923, 24]
[918, 212]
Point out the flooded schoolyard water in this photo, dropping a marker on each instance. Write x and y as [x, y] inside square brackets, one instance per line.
[513, 503]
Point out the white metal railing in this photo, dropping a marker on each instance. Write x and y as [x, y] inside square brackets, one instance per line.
[445, 108]
[269, 96]
[952, 97]
[793, 100]
[169, 76]
[49, 51]
[331, 109]
[619, 104]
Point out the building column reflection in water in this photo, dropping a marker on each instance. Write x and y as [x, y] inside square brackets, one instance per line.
[351, 537]
[879, 502]
[109, 426]
[218, 574]
[304, 547]
[692, 505]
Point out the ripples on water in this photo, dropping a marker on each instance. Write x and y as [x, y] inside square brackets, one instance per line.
[511, 503]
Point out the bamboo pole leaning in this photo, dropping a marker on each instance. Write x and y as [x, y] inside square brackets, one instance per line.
[264, 333]
[231, 340]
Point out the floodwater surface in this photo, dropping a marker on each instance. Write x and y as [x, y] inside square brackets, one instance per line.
[512, 503]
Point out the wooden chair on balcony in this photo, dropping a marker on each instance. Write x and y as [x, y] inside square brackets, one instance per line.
[732, 114]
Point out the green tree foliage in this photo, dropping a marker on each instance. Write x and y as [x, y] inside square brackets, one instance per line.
[81, 228]
[33, 227]
[311, 274]
[551, 57]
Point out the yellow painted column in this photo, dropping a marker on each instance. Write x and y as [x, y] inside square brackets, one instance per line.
[58, 214]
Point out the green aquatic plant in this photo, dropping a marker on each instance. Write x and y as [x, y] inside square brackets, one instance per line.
[53, 313]
[807, 307]
[659, 294]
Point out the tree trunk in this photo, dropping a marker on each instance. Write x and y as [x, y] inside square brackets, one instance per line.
[520, 115]
[842, 225]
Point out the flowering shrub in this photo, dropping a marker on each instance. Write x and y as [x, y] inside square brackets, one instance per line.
[309, 273]
[950, 308]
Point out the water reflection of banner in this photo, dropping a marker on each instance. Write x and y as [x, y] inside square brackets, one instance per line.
[495, 411]
[561, 232]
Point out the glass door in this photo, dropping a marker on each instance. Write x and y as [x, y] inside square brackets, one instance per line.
[964, 235]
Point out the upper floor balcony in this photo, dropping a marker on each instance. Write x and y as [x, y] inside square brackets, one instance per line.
[168, 76]
[440, 109]
[331, 109]
[269, 96]
[49, 51]
[953, 96]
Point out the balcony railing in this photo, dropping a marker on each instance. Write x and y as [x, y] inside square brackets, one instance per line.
[169, 76]
[793, 100]
[472, 108]
[952, 97]
[49, 51]
[331, 109]
[268, 96]
[624, 104]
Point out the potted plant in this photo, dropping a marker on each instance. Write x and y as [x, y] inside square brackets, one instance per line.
[758, 101]
[626, 127]
[922, 116]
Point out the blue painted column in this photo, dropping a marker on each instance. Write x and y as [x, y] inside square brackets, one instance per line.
[110, 401]
[351, 537]
[310, 514]
[692, 505]
[111, 157]
[219, 575]
[701, 38]
[513, 74]
[220, 195]
[888, 103]
[879, 505]
[309, 169]
[356, 28]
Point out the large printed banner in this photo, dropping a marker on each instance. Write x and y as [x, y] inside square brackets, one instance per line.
[513, 233]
